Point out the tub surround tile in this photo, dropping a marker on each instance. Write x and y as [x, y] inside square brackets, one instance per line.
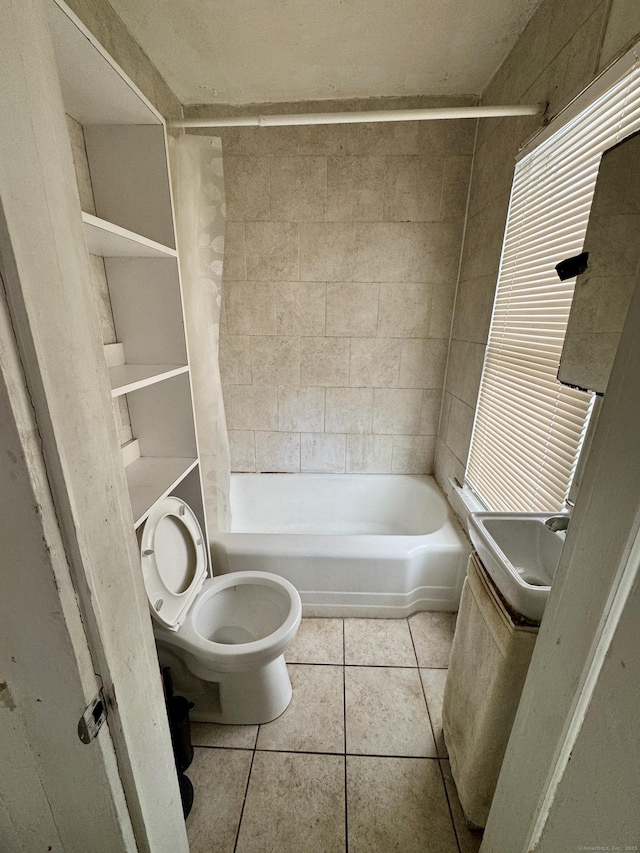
[423, 363]
[378, 642]
[369, 454]
[214, 819]
[278, 452]
[294, 802]
[433, 683]
[242, 448]
[232, 737]
[386, 713]
[441, 315]
[352, 309]
[459, 428]
[397, 804]
[300, 308]
[355, 189]
[413, 454]
[432, 634]
[469, 840]
[326, 252]
[348, 410]
[375, 362]
[298, 188]
[271, 251]
[275, 360]
[301, 409]
[322, 453]
[235, 359]
[328, 139]
[404, 310]
[395, 138]
[430, 411]
[246, 187]
[314, 721]
[324, 361]
[396, 411]
[401, 201]
[235, 265]
[455, 187]
[317, 641]
[250, 307]
[251, 407]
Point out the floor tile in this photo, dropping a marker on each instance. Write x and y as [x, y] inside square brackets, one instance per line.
[219, 778]
[314, 721]
[386, 713]
[317, 641]
[212, 734]
[378, 642]
[397, 804]
[433, 682]
[469, 840]
[432, 634]
[295, 804]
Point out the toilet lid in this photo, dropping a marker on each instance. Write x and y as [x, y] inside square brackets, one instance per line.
[174, 560]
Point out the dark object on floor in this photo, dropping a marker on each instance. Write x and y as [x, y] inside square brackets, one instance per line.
[178, 712]
[572, 267]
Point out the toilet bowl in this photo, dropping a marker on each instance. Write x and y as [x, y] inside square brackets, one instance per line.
[223, 637]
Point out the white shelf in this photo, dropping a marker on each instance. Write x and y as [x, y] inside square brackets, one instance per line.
[111, 241]
[151, 478]
[125, 378]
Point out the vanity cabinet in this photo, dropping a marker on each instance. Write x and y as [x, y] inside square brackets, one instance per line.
[119, 146]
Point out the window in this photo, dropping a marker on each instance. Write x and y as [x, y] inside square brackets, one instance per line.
[529, 428]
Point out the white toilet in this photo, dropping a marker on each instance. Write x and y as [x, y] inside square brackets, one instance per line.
[223, 637]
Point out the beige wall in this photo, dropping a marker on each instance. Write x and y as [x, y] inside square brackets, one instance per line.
[560, 52]
[341, 259]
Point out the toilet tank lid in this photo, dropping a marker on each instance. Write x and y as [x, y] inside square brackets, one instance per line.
[173, 555]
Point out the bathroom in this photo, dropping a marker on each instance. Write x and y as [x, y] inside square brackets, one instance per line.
[561, 50]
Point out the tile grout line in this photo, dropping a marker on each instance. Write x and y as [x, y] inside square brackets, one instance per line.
[246, 790]
[344, 713]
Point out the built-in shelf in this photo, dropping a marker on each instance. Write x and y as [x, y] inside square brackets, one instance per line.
[151, 478]
[111, 241]
[125, 378]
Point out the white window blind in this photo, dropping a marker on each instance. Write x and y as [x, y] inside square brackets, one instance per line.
[528, 427]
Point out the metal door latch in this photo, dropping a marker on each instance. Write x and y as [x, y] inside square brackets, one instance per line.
[94, 716]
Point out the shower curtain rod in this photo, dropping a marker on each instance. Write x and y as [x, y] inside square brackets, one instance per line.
[430, 114]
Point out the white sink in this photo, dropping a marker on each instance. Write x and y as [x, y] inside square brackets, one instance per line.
[521, 555]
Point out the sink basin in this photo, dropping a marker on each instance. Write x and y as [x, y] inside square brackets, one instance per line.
[520, 554]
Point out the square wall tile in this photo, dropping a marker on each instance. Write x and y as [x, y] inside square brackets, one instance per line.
[275, 360]
[397, 411]
[430, 411]
[355, 189]
[214, 819]
[298, 188]
[394, 138]
[397, 804]
[459, 428]
[375, 362]
[251, 407]
[369, 454]
[423, 363]
[326, 251]
[324, 361]
[314, 720]
[295, 802]
[386, 712]
[432, 634]
[271, 251]
[348, 409]
[250, 307]
[413, 189]
[378, 642]
[278, 452]
[328, 139]
[246, 185]
[455, 187]
[242, 449]
[317, 641]
[301, 409]
[234, 264]
[300, 308]
[404, 310]
[235, 359]
[414, 454]
[322, 453]
[352, 309]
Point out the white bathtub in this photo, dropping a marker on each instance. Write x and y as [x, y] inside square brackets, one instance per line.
[381, 545]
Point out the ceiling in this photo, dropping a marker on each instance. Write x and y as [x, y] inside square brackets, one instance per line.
[258, 51]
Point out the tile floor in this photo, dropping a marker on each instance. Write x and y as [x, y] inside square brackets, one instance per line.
[356, 763]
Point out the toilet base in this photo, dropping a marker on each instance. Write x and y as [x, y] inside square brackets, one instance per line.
[234, 698]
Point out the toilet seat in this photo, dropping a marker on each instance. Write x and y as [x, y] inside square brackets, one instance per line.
[174, 560]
